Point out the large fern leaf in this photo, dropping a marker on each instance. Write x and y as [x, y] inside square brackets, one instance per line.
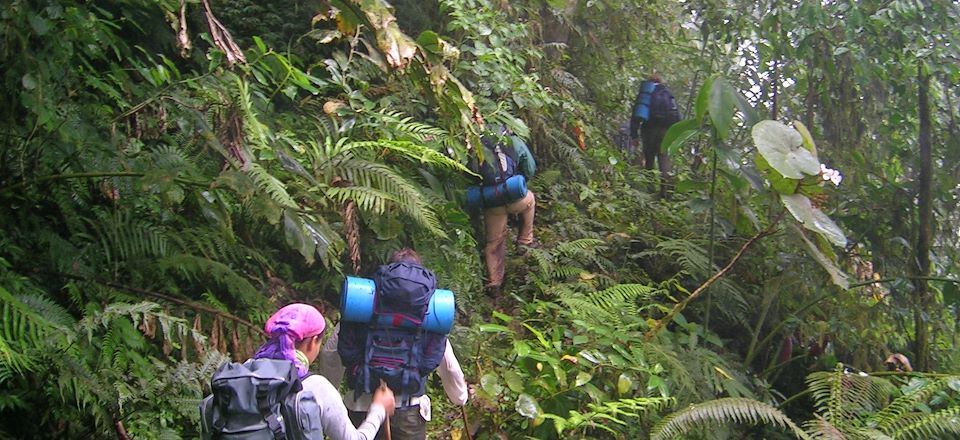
[936, 425]
[721, 411]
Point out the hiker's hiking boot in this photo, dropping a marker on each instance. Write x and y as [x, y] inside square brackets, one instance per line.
[522, 248]
[493, 290]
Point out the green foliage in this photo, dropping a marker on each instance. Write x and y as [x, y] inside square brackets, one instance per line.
[730, 409]
[143, 159]
[849, 406]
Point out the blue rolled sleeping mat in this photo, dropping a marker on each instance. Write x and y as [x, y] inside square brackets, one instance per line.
[643, 107]
[357, 300]
[492, 196]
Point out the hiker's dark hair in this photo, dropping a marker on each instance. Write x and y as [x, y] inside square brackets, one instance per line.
[655, 77]
[405, 254]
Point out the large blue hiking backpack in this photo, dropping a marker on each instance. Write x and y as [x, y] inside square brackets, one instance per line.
[395, 346]
[260, 399]
[655, 104]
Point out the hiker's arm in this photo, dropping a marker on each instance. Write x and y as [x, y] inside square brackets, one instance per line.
[452, 377]
[635, 123]
[334, 419]
[330, 365]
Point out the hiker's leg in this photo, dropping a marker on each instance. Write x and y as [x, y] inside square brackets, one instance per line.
[663, 159]
[407, 424]
[651, 145]
[526, 208]
[495, 220]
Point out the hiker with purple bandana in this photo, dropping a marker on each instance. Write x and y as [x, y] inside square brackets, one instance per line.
[296, 335]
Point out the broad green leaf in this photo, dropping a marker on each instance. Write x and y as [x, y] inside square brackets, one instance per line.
[624, 384]
[807, 138]
[386, 227]
[538, 334]
[527, 406]
[951, 294]
[722, 106]
[813, 218]
[836, 275]
[750, 115]
[678, 134]
[490, 384]
[703, 98]
[260, 44]
[501, 316]
[582, 378]
[493, 328]
[429, 40]
[295, 237]
[521, 348]
[513, 380]
[782, 147]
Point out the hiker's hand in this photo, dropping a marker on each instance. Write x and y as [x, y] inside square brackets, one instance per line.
[384, 396]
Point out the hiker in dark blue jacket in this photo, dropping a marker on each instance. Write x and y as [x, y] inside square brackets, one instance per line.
[653, 112]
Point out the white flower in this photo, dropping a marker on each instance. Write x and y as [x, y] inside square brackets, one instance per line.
[830, 175]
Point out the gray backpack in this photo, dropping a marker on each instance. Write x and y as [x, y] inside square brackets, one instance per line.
[260, 399]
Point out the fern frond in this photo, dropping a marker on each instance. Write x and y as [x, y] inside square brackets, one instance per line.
[841, 397]
[691, 257]
[678, 368]
[392, 187]
[123, 236]
[615, 297]
[168, 157]
[566, 271]
[576, 246]
[367, 199]
[562, 146]
[902, 405]
[618, 411]
[721, 411]
[820, 429]
[25, 333]
[945, 421]
[420, 153]
[405, 124]
[205, 270]
[269, 184]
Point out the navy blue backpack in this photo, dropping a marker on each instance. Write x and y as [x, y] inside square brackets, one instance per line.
[499, 162]
[394, 347]
[663, 107]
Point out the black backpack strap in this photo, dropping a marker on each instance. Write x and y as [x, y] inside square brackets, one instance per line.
[263, 405]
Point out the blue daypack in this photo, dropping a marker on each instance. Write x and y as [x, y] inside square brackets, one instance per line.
[395, 348]
[260, 399]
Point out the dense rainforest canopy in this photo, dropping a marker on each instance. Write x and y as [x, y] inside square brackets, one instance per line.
[173, 171]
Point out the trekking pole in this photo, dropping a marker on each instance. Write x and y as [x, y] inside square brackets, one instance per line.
[466, 425]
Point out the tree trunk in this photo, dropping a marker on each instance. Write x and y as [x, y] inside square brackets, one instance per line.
[925, 227]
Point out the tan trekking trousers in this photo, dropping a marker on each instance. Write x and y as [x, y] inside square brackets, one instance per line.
[496, 226]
